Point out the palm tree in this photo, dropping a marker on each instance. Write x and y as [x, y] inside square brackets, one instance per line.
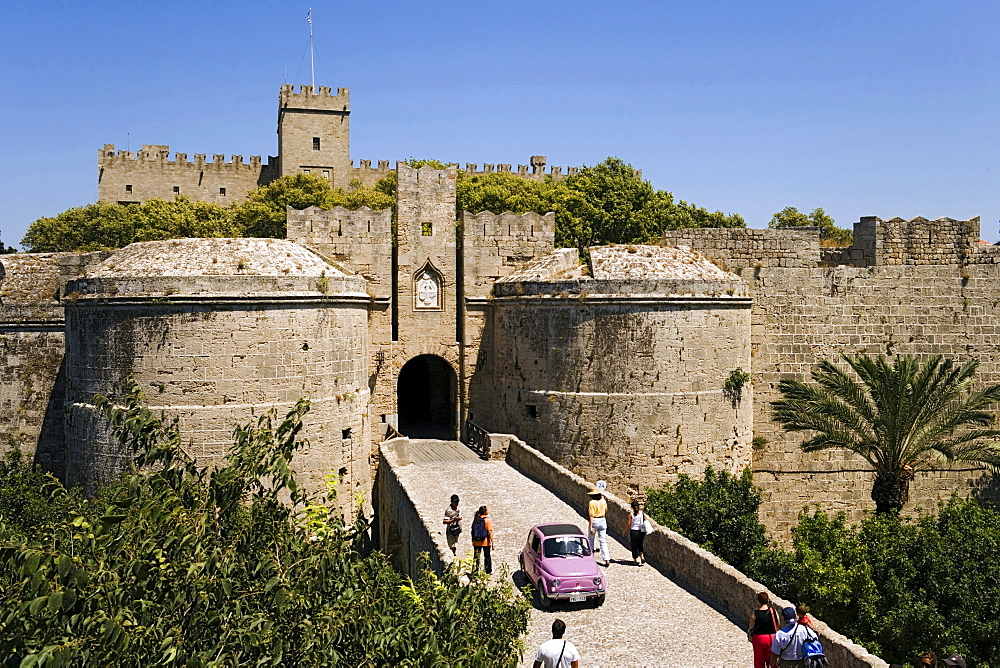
[902, 417]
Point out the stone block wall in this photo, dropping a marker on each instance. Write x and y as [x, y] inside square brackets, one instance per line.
[921, 287]
[739, 248]
[495, 245]
[622, 380]
[401, 532]
[126, 177]
[360, 240]
[32, 341]
[801, 316]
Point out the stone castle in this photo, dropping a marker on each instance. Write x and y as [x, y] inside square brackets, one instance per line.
[313, 138]
[408, 320]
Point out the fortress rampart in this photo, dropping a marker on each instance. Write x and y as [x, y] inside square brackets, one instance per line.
[615, 368]
[124, 176]
[912, 286]
[619, 376]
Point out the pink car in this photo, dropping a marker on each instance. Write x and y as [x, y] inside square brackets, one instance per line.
[557, 560]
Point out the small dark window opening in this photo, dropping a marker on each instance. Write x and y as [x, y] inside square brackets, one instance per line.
[222, 191]
[128, 188]
[531, 411]
[426, 229]
[315, 143]
[177, 189]
[346, 433]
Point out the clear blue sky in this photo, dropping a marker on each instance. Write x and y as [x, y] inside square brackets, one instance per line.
[867, 108]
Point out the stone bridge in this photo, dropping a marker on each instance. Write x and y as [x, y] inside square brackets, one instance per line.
[686, 608]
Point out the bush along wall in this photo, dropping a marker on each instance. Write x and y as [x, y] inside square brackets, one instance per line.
[899, 587]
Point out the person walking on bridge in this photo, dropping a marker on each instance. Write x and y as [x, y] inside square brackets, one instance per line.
[452, 519]
[597, 509]
[763, 625]
[482, 538]
[557, 653]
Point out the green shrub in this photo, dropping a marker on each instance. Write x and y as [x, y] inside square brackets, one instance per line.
[901, 587]
[719, 513]
[27, 498]
[898, 587]
[180, 565]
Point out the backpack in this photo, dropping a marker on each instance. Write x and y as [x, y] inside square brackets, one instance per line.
[813, 649]
[479, 529]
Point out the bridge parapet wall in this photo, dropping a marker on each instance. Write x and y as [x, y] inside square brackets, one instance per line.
[403, 533]
[674, 554]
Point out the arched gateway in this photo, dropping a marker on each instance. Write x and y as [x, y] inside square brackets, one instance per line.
[425, 396]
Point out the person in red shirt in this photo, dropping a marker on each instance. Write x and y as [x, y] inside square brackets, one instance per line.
[482, 538]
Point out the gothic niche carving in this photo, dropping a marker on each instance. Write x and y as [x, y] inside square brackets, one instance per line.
[427, 288]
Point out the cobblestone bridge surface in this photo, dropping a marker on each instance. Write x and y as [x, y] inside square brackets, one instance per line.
[647, 620]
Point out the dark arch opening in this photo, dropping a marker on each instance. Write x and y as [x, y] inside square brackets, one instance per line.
[425, 398]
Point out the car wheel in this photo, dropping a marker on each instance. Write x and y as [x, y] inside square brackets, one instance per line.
[544, 602]
[599, 600]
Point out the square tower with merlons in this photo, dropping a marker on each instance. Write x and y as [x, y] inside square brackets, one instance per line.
[314, 132]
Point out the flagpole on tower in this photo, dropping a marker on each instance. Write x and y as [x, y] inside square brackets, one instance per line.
[312, 57]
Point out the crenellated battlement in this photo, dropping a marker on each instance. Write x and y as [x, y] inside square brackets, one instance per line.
[917, 241]
[369, 175]
[536, 171]
[527, 226]
[309, 99]
[153, 156]
[315, 226]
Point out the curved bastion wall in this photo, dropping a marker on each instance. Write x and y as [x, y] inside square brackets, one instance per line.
[216, 332]
[620, 374]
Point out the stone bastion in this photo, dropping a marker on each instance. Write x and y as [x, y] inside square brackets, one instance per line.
[618, 367]
[216, 332]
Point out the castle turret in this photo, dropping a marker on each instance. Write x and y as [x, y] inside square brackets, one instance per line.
[314, 132]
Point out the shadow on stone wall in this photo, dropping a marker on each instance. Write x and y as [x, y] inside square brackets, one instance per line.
[986, 489]
[50, 452]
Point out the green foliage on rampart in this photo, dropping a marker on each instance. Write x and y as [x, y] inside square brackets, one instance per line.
[606, 203]
[829, 233]
[898, 587]
[180, 565]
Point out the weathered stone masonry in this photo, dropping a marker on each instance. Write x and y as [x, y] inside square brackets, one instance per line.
[615, 368]
[919, 286]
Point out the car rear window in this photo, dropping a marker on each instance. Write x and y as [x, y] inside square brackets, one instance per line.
[562, 546]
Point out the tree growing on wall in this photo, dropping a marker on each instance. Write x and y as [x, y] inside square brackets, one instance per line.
[900, 415]
[829, 233]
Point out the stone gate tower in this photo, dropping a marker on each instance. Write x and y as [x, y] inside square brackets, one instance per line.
[314, 132]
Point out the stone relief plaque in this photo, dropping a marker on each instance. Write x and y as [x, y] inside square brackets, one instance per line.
[428, 290]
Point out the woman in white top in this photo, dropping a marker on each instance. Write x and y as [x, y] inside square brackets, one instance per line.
[637, 532]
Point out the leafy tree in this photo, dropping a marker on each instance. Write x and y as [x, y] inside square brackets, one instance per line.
[103, 226]
[606, 203]
[500, 192]
[27, 497]
[899, 415]
[900, 587]
[182, 565]
[829, 233]
[719, 513]
[263, 213]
